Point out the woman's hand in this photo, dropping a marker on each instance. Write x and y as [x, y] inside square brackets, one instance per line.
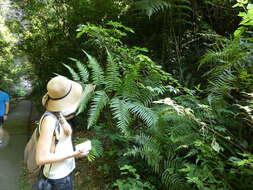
[79, 154]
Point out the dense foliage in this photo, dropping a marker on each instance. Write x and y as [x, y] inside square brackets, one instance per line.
[13, 64]
[189, 143]
[168, 94]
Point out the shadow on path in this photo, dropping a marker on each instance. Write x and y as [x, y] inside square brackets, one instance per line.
[11, 156]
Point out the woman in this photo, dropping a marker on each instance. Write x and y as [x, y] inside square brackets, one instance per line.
[54, 148]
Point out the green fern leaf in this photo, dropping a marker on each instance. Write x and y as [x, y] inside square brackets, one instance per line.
[143, 139]
[149, 150]
[96, 150]
[121, 113]
[74, 75]
[86, 96]
[100, 100]
[152, 157]
[129, 87]
[151, 6]
[83, 72]
[113, 81]
[148, 94]
[185, 2]
[184, 7]
[172, 180]
[144, 113]
[97, 72]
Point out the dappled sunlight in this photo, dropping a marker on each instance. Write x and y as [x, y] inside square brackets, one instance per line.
[5, 14]
[15, 68]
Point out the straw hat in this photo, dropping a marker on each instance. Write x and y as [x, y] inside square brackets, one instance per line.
[62, 95]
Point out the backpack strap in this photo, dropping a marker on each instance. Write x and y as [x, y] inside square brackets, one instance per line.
[57, 126]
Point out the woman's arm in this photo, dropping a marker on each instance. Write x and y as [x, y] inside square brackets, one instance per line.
[43, 154]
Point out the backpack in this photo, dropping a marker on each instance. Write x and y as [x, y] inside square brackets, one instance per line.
[33, 170]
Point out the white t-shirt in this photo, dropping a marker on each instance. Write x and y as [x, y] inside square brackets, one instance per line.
[63, 168]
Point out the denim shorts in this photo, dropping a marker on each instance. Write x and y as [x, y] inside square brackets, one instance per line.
[62, 184]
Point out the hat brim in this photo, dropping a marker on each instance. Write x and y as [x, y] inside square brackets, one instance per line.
[68, 104]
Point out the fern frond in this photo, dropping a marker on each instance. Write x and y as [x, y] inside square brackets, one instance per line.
[96, 150]
[143, 139]
[97, 71]
[151, 6]
[83, 72]
[112, 77]
[129, 88]
[149, 150]
[172, 181]
[183, 7]
[144, 113]
[160, 90]
[121, 113]
[144, 96]
[182, 14]
[223, 83]
[147, 94]
[74, 74]
[222, 55]
[185, 140]
[152, 156]
[100, 100]
[170, 176]
[134, 151]
[185, 2]
[173, 162]
[86, 96]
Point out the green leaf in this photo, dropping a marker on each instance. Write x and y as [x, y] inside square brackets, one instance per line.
[97, 71]
[240, 31]
[121, 113]
[144, 113]
[86, 96]
[113, 81]
[96, 150]
[74, 75]
[250, 6]
[82, 70]
[216, 146]
[100, 100]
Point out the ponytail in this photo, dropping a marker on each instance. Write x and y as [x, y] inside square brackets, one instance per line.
[65, 126]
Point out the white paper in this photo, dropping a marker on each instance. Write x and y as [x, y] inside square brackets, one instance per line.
[85, 146]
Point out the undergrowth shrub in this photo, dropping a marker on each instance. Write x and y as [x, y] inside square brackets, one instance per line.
[185, 142]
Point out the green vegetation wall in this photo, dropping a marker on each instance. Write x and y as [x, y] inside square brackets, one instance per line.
[176, 32]
[168, 85]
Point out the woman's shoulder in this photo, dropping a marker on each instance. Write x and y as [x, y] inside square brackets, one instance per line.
[48, 121]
